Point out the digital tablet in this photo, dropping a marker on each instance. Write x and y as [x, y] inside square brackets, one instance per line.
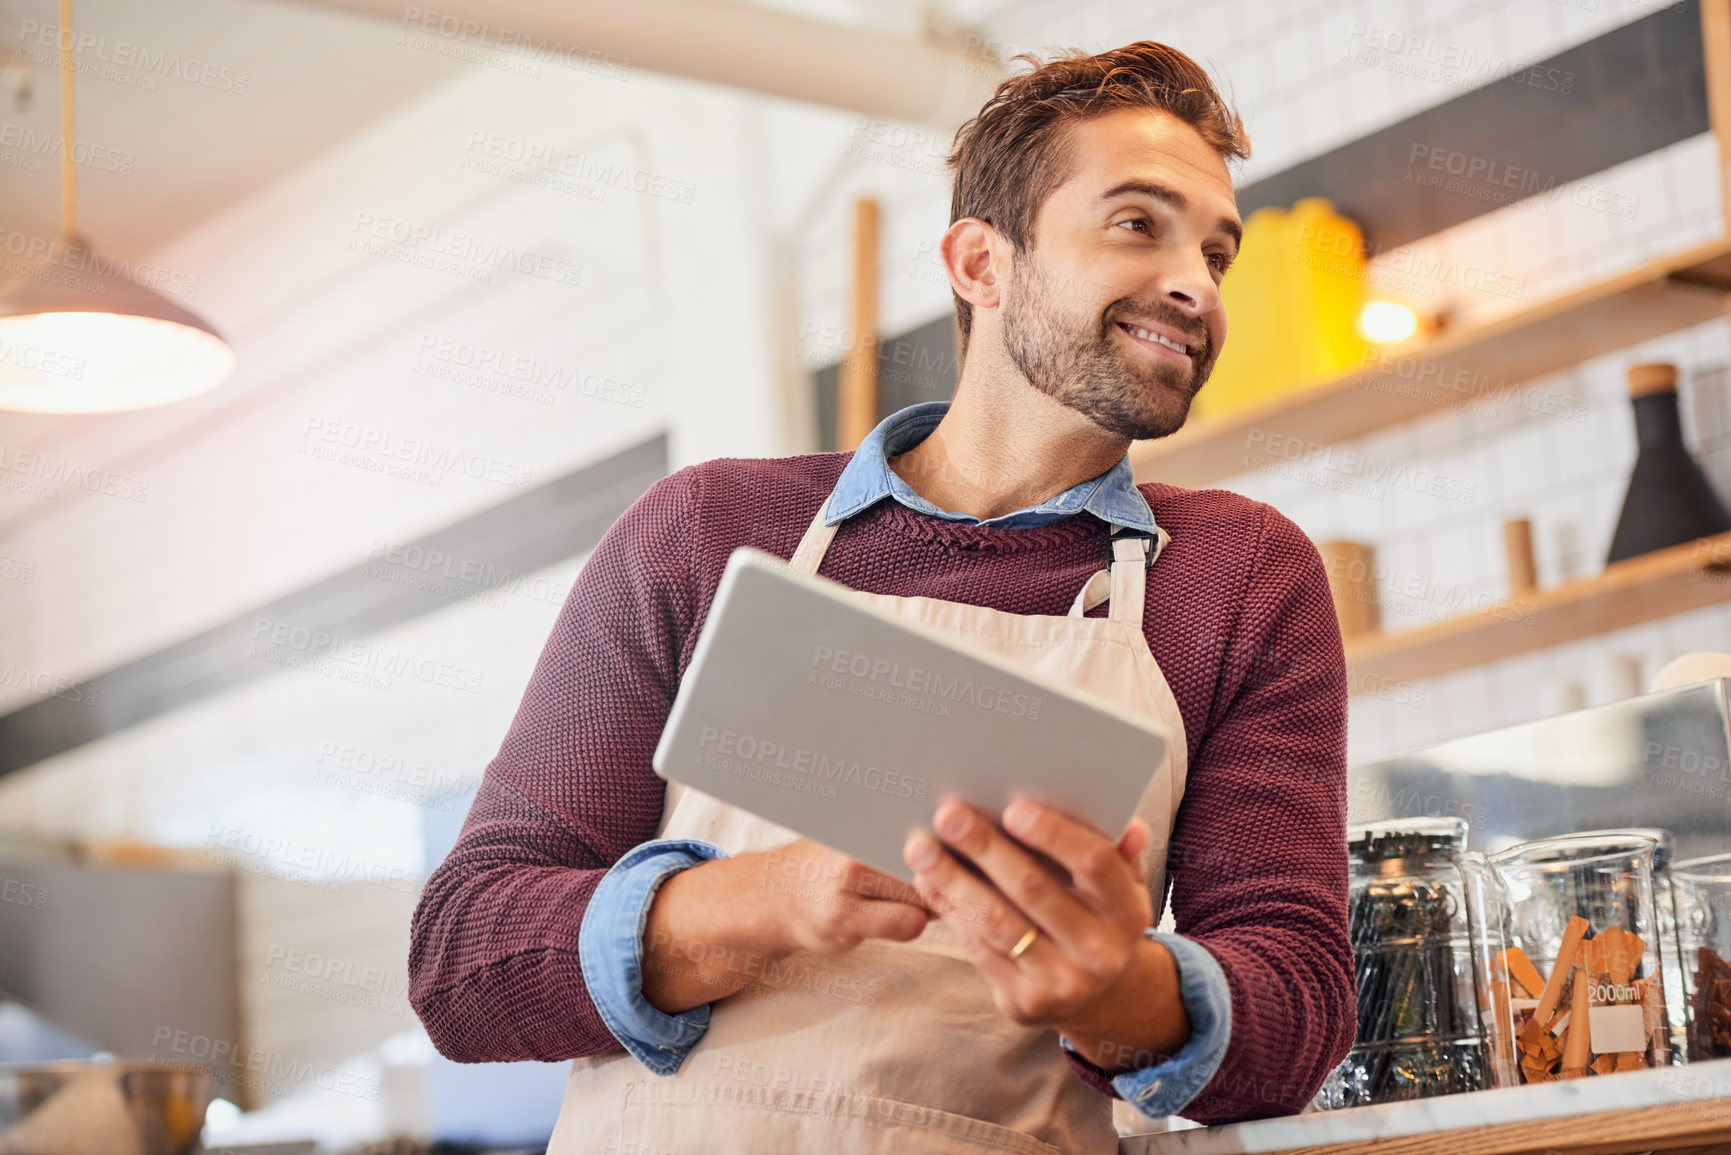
[848, 725]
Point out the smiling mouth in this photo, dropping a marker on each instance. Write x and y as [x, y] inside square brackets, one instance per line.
[1154, 338]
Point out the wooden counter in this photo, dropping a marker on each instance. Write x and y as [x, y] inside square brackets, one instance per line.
[1683, 1110]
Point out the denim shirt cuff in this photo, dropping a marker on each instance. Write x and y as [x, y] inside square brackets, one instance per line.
[610, 952]
[1164, 1087]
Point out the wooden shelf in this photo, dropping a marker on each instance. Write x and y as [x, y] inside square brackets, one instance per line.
[1654, 585]
[1455, 370]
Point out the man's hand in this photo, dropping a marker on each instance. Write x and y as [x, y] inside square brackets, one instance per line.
[717, 926]
[1091, 972]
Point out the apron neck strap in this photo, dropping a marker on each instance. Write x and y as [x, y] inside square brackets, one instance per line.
[1125, 583]
[814, 544]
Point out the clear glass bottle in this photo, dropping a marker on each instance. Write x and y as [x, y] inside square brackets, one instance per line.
[1409, 903]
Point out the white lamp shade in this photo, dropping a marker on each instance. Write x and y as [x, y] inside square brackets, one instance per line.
[75, 338]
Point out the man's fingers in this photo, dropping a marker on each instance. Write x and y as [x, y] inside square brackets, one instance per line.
[1134, 842]
[878, 886]
[1096, 863]
[895, 921]
[974, 910]
[1013, 878]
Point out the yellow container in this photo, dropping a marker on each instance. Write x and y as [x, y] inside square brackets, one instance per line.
[1292, 302]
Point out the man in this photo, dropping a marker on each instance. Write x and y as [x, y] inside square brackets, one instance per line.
[723, 985]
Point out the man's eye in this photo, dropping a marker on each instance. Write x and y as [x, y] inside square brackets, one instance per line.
[1219, 261]
[1140, 223]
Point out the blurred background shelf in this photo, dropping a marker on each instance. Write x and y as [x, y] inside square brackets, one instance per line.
[1453, 370]
[1655, 585]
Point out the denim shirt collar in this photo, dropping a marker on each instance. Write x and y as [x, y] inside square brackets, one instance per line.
[1112, 497]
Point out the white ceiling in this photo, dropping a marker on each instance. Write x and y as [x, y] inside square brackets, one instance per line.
[311, 77]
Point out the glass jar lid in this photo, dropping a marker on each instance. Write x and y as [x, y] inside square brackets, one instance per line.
[1406, 838]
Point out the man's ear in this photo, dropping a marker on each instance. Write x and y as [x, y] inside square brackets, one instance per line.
[976, 257]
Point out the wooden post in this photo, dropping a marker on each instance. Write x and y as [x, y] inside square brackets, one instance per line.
[1518, 550]
[857, 389]
[1351, 568]
[1716, 47]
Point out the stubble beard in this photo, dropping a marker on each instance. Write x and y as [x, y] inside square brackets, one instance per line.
[1085, 371]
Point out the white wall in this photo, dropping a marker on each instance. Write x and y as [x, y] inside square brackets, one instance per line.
[312, 784]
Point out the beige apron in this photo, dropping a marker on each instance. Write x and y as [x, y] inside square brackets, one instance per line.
[892, 1047]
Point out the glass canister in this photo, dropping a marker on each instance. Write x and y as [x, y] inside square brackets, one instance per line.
[1672, 962]
[1418, 1006]
[1704, 918]
[1584, 930]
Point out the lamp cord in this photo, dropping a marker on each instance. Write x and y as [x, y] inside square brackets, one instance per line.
[68, 173]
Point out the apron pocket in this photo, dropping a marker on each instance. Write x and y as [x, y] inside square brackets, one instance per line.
[677, 1117]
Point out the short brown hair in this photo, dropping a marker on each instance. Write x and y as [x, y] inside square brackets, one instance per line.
[1009, 158]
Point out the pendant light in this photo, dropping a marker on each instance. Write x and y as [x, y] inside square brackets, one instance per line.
[78, 336]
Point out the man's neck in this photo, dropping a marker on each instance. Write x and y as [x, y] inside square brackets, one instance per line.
[1005, 446]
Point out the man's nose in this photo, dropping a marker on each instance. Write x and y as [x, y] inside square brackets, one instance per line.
[1191, 288]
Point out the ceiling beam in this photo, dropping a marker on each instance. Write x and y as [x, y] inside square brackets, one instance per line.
[862, 70]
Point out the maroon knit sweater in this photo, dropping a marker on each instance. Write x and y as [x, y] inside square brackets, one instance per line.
[1238, 616]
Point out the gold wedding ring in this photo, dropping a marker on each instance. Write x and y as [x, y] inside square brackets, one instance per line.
[1022, 946]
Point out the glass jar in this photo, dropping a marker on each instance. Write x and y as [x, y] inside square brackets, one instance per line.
[1418, 1007]
[1584, 927]
[1672, 961]
[1704, 918]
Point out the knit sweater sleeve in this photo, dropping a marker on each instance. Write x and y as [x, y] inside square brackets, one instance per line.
[1258, 854]
[493, 959]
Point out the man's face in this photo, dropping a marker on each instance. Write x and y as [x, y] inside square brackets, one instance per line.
[1125, 263]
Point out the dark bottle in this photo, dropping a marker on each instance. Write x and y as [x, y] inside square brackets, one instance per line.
[1669, 500]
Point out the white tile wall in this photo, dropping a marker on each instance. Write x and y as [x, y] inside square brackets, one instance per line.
[1310, 76]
